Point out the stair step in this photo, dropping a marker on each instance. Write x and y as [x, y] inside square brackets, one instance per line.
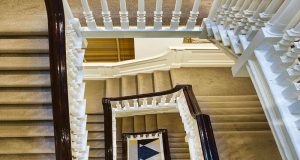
[25, 96]
[25, 112]
[170, 121]
[246, 145]
[162, 81]
[179, 150]
[227, 98]
[128, 87]
[177, 140]
[113, 87]
[24, 45]
[26, 145]
[241, 126]
[238, 118]
[94, 92]
[232, 111]
[24, 62]
[151, 122]
[28, 128]
[95, 127]
[47, 156]
[95, 118]
[139, 123]
[96, 144]
[145, 83]
[176, 135]
[233, 104]
[180, 156]
[97, 153]
[24, 79]
[178, 145]
[96, 136]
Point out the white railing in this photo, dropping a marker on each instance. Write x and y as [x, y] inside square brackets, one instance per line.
[175, 57]
[140, 30]
[235, 22]
[76, 87]
[171, 103]
[266, 34]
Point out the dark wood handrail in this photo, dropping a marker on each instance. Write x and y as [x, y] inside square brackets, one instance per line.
[58, 74]
[208, 144]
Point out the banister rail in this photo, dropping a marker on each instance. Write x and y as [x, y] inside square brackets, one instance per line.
[209, 148]
[58, 74]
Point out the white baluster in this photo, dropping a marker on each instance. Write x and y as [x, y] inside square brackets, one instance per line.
[251, 25]
[126, 104]
[193, 15]
[158, 15]
[154, 102]
[141, 15]
[294, 71]
[135, 103]
[70, 18]
[163, 100]
[281, 19]
[124, 15]
[221, 12]
[172, 100]
[145, 102]
[106, 15]
[290, 57]
[285, 43]
[213, 10]
[88, 15]
[118, 105]
[176, 15]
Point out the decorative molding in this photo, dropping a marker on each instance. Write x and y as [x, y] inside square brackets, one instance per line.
[173, 58]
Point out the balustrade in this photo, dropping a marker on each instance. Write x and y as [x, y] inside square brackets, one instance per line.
[180, 99]
[108, 29]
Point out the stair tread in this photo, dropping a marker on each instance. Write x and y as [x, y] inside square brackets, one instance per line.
[44, 156]
[95, 118]
[232, 98]
[96, 144]
[95, 127]
[28, 128]
[25, 112]
[113, 87]
[240, 126]
[238, 118]
[232, 111]
[27, 145]
[162, 81]
[96, 153]
[24, 62]
[25, 96]
[24, 79]
[96, 136]
[24, 45]
[230, 104]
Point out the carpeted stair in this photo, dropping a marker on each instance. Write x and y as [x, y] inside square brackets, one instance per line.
[240, 126]
[26, 126]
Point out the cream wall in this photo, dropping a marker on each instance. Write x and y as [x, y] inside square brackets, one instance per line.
[149, 47]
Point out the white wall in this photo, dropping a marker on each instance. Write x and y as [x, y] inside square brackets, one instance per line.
[149, 47]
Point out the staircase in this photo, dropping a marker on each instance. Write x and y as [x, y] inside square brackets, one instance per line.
[240, 126]
[26, 130]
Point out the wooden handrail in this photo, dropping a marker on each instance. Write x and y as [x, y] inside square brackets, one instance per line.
[58, 74]
[208, 144]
